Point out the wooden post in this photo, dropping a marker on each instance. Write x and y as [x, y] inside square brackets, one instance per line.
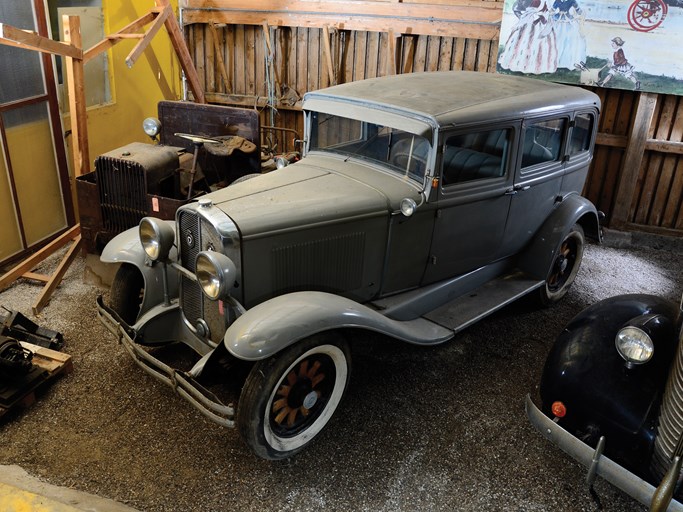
[77, 111]
[328, 54]
[391, 53]
[218, 52]
[633, 159]
[178, 42]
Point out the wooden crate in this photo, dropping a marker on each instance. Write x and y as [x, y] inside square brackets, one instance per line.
[47, 365]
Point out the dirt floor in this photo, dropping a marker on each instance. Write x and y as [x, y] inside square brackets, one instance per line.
[420, 428]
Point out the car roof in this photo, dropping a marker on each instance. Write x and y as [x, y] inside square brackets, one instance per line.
[452, 97]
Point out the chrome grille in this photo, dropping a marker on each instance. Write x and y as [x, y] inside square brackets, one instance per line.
[122, 191]
[196, 235]
[670, 429]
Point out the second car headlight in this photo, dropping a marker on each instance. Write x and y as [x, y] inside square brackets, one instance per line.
[216, 274]
[156, 237]
[634, 345]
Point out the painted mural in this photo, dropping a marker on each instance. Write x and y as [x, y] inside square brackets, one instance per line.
[624, 44]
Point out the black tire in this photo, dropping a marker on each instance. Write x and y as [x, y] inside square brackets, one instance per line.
[125, 295]
[288, 398]
[565, 266]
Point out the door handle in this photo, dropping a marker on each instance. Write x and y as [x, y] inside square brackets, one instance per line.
[517, 188]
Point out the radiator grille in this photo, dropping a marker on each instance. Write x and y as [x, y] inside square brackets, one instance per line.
[122, 191]
[332, 264]
[195, 235]
[670, 429]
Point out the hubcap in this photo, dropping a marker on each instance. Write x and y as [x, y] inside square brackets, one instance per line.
[563, 265]
[302, 395]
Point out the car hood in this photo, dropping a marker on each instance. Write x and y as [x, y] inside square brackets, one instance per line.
[314, 191]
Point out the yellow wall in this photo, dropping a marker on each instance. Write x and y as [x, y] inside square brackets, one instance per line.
[135, 91]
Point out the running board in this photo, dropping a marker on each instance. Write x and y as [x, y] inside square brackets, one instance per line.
[488, 298]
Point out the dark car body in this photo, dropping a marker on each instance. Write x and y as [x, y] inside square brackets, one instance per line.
[619, 418]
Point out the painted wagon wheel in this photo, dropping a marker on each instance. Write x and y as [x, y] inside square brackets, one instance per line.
[647, 15]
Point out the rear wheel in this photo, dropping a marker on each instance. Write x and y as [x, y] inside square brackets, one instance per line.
[565, 266]
[125, 295]
[288, 398]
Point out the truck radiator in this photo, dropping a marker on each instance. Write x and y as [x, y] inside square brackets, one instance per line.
[670, 429]
[123, 193]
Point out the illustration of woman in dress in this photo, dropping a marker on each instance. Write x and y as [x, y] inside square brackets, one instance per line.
[571, 43]
[531, 46]
[620, 64]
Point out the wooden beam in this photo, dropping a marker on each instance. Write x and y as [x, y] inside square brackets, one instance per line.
[32, 261]
[76, 83]
[56, 278]
[247, 100]
[218, 52]
[459, 18]
[632, 160]
[664, 146]
[148, 36]
[28, 40]
[178, 42]
[614, 141]
[36, 277]
[391, 53]
[327, 50]
[110, 41]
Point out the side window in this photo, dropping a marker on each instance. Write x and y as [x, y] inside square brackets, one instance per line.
[580, 139]
[542, 142]
[475, 156]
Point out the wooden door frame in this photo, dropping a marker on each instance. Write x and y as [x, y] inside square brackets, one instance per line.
[54, 117]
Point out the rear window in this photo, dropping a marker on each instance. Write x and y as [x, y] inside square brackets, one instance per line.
[543, 142]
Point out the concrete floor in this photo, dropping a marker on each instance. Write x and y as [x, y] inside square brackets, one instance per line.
[420, 428]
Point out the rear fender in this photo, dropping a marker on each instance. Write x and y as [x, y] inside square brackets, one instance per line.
[277, 323]
[538, 257]
[125, 248]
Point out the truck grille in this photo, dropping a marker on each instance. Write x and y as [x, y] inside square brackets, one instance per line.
[195, 235]
[670, 429]
[123, 193]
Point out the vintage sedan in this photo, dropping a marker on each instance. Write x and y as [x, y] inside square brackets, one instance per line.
[611, 396]
[422, 203]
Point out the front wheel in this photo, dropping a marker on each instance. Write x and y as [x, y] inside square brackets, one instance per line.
[565, 266]
[125, 295]
[288, 398]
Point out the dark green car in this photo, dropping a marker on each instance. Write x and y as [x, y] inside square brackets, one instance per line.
[423, 203]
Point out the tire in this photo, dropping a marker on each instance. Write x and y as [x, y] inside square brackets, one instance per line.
[288, 398]
[125, 295]
[565, 266]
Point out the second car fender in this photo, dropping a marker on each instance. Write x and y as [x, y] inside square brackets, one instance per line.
[279, 322]
[126, 248]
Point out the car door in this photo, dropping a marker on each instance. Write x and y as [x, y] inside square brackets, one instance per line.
[473, 202]
[537, 181]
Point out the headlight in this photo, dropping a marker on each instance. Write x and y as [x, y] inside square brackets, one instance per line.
[408, 206]
[634, 345]
[151, 126]
[156, 237]
[216, 274]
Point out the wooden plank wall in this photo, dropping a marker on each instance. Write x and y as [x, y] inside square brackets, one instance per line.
[239, 64]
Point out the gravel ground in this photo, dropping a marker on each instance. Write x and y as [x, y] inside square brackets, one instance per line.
[420, 429]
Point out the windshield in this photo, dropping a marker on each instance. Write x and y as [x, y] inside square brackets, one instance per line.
[402, 152]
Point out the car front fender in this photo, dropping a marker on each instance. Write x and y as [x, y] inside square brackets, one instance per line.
[277, 323]
[602, 395]
[126, 248]
[538, 257]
